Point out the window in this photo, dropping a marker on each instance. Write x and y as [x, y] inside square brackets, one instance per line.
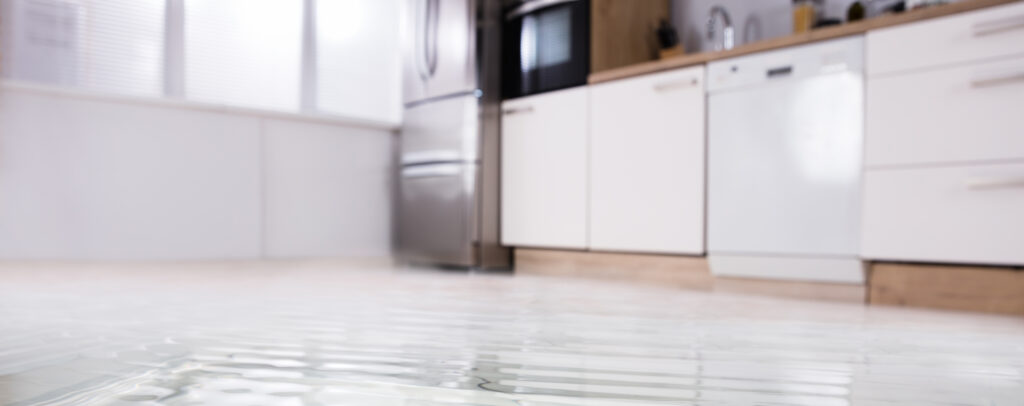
[244, 52]
[356, 74]
[105, 45]
[340, 57]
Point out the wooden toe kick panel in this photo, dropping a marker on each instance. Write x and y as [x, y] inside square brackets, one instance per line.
[685, 272]
[981, 289]
[948, 287]
[663, 270]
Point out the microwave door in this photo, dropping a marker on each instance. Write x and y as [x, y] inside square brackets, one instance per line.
[549, 42]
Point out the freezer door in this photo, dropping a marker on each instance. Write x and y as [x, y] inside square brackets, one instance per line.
[444, 130]
[436, 214]
[440, 48]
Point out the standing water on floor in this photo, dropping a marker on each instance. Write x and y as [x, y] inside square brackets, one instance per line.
[295, 334]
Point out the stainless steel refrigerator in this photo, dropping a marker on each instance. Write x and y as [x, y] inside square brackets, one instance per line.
[448, 183]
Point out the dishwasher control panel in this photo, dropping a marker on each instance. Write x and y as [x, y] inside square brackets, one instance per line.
[820, 58]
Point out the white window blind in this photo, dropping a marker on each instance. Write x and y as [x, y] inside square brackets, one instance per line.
[342, 57]
[104, 45]
[358, 58]
[244, 52]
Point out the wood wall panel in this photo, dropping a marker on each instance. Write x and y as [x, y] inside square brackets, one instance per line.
[622, 32]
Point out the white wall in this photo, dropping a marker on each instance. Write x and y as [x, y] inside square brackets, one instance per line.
[84, 177]
[753, 20]
[327, 190]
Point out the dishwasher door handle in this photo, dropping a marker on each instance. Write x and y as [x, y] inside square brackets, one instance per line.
[779, 72]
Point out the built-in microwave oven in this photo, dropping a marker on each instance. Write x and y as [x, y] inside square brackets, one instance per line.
[546, 46]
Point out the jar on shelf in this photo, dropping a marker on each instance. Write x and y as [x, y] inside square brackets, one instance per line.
[804, 15]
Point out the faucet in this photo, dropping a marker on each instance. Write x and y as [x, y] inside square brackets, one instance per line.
[727, 30]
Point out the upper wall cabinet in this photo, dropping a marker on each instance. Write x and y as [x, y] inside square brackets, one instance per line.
[544, 170]
[647, 163]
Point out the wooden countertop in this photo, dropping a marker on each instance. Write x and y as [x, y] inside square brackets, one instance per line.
[820, 34]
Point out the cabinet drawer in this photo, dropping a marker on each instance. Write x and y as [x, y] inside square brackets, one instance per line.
[963, 114]
[963, 214]
[984, 34]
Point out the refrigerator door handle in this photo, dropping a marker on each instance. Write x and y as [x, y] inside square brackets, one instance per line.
[432, 22]
[421, 28]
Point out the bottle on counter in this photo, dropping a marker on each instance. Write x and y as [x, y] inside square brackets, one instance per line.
[856, 12]
[804, 15]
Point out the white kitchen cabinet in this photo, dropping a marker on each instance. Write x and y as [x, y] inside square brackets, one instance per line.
[966, 113]
[944, 160]
[988, 33]
[544, 170]
[963, 214]
[647, 163]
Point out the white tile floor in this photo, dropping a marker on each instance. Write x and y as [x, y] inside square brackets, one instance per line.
[313, 334]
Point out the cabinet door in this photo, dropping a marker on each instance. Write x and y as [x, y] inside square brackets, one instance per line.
[964, 114]
[647, 163]
[985, 34]
[544, 170]
[961, 214]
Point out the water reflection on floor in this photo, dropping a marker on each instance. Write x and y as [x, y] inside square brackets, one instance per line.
[314, 334]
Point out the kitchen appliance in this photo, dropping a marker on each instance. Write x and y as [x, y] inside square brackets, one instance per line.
[785, 140]
[448, 203]
[546, 46]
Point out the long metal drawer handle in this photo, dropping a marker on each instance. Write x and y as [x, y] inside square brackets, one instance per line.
[517, 110]
[998, 26]
[661, 87]
[983, 83]
[988, 183]
[430, 171]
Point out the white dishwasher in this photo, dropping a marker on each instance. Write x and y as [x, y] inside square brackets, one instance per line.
[785, 140]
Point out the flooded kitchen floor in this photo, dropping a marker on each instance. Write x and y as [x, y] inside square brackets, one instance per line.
[316, 334]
